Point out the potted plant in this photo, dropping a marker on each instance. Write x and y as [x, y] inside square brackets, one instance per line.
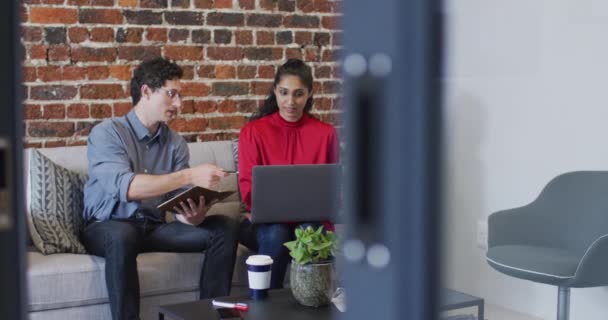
[312, 268]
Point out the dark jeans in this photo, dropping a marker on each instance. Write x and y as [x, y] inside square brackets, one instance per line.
[268, 239]
[120, 241]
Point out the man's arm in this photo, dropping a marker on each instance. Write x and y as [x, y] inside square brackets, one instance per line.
[145, 186]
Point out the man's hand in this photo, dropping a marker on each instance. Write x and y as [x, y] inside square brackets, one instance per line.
[206, 175]
[191, 213]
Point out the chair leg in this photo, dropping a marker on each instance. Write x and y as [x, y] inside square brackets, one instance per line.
[563, 303]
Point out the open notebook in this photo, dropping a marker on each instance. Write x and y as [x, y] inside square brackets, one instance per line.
[194, 193]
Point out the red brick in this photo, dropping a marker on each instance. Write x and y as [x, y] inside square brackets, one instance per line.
[322, 103]
[98, 72]
[33, 145]
[247, 4]
[86, 54]
[156, 34]
[59, 53]
[122, 108]
[127, 3]
[25, 17]
[53, 92]
[330, 23]
[336, 39]
[203, 4]
[227, 89]
[78, 34]
[306, 5]
[184, 53]
[268, 4]
[53, 111]
[102, 91]
[101, 111]
[74, 73]
[120, 72]
[79, 2]
[224, 53]
[53, 15]
[28, 74]
[264, 37]
[322, 72]
[303, 38]
[336, 6]
[322, 6]
[50, 129]
[227, 106]
[38, 51]
[54, 144]
[188, 72]
[330, 55]
[293, 53]
[247, 106]
[261, 88]
[317, 87]
[311, 54]
[102, 3]
[188, 125]
[187, 107]
[132, 53]
[195, 89]
[336, 72]
[246, 72]
[206, 71]
[31, 34]
[244, 37]
[266, 72]
[82, 142]
[205, 106]
[225, 4]
[49, 73]
[100, 16]
[223, 123]
[32, 111]
[102, 35]
[301, 21]
[218, 136]
[78, 111]
[83, 128]
[225, 72]
[130, 35]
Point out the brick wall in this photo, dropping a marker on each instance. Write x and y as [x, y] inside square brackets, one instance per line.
[78, 57]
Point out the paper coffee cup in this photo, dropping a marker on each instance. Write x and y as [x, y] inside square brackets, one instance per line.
[259, 272]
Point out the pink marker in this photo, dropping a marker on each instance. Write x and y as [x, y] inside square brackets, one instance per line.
[238, 306]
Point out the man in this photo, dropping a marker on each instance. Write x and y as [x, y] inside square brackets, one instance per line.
[135, 162]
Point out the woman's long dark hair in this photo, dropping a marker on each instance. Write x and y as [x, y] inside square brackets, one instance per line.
[293, 67]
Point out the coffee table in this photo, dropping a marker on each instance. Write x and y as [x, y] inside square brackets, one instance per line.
[280, 304]
[452, 299]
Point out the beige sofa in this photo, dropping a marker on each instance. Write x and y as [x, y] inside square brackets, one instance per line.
[72, 286]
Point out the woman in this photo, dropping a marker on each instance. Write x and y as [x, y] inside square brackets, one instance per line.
[282, 132]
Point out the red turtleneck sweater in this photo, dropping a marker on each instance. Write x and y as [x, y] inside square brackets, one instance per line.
[273, 141]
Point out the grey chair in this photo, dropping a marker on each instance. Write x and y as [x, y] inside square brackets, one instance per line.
[561, 238]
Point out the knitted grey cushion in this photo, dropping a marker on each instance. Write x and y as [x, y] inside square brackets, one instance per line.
[55, 206]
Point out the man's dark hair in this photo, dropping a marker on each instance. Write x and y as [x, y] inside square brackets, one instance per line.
[153, 73]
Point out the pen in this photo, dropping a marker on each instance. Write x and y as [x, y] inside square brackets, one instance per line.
[238, 306]
[231, 171]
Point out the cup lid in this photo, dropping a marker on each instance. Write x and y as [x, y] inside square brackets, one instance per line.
[259, 260]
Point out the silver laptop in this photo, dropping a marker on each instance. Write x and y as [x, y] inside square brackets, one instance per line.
[295, 193]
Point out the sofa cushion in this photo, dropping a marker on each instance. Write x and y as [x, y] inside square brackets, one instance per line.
[55, 203]
[234, 143]
[68, 280]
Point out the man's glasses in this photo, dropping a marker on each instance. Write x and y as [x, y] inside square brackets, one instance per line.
[171, 93]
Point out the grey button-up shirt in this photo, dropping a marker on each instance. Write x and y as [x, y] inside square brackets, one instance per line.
[120, 148]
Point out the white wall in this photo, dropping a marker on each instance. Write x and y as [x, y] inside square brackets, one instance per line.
[526, 100]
